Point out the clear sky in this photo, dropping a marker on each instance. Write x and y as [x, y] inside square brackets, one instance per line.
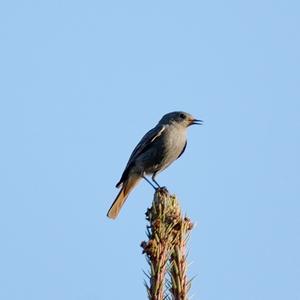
[82, 81]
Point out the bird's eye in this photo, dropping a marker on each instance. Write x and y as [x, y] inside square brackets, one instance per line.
[182, 116]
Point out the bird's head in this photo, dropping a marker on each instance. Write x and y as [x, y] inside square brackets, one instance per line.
[181, 118]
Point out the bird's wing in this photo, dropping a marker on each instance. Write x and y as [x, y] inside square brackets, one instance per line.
[183, 149]
[145, 143]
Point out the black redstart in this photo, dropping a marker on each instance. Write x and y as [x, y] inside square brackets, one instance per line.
[158, 148]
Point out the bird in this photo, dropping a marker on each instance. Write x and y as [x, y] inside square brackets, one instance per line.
[157, 149]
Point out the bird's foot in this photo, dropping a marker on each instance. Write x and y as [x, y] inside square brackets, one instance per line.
[162, 189]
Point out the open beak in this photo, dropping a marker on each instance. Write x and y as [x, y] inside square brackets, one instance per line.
[196, 122]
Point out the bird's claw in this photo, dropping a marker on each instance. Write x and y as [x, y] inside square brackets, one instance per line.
[162, 189]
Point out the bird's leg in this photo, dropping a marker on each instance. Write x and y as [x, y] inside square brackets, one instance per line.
[153, 179]
[149, 182]
[163, 188]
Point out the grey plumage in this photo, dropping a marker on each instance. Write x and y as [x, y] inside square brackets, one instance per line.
[158, 148]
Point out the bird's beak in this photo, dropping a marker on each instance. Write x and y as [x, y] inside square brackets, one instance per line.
[196, 122]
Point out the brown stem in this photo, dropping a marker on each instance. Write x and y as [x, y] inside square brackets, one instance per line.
[165, 249]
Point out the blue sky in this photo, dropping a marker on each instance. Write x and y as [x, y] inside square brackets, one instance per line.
[82, 81]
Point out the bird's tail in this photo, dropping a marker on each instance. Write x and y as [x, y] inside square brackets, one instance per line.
[127, 187]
